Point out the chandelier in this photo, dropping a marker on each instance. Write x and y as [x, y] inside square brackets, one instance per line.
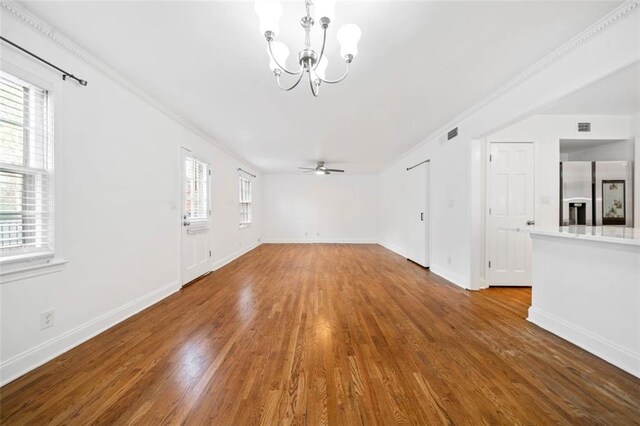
[311, 63]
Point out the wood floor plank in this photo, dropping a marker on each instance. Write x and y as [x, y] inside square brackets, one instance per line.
[326, 334]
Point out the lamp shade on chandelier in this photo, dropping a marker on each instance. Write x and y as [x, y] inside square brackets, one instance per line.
[312, 63]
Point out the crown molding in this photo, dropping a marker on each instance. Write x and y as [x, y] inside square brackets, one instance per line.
[598, 27]
[49, 32]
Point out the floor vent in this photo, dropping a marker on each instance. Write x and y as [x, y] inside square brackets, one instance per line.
[584, 127]
[452, 134]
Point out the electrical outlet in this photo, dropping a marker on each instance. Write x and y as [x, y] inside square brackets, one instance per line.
[46, 319]
[306, 234]
[317, 234]
[449, 260]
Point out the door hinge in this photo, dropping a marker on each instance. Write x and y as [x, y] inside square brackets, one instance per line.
[209, 253]
[489, 264]
[489, 210]
[209, 172]
[490, 158]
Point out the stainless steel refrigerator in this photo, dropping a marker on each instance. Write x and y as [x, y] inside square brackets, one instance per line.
[596, 193]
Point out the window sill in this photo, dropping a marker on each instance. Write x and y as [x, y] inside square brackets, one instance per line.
[21, 271]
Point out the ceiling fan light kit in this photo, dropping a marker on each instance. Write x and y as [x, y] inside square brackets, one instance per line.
[311, 63]
[320, 169]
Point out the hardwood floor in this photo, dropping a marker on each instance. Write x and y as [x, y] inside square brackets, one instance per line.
[326, 334]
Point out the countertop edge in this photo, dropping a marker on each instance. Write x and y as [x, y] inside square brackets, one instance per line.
[634, 242]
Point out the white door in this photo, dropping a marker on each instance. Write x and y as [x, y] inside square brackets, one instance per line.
[510, 202]
[195, 220]
[418, 214]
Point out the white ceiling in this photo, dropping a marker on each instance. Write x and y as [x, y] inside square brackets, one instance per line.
[616, 94]
[420, 64]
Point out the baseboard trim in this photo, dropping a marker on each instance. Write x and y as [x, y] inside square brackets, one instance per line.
[452, 277]
[233, 256]
[601, 347]
[316, 241]
[34, 357]
[448, 275]
[393, 248]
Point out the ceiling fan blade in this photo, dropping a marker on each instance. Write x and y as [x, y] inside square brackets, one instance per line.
[309, 171]
[307, 168]
[335, 170]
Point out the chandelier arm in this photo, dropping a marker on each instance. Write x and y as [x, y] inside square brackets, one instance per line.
[341, 78]
[280, 66]
[292, 87]
[314, 88]
[324, 42]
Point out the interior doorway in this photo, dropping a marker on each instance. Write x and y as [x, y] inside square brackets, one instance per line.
[510, 203]
[419, 217]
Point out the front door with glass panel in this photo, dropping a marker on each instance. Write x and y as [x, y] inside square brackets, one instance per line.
[195, 219]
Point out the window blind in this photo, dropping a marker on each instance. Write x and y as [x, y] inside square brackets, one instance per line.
[196, 189]
[26, 199]
[245, 201]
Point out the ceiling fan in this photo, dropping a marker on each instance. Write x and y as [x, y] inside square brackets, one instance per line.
[320, 169]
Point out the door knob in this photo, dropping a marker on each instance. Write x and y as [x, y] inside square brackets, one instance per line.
[185, 223]
[531, 222]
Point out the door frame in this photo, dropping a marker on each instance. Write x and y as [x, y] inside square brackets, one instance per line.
[428, 212]
[487, 198]
[180, 204]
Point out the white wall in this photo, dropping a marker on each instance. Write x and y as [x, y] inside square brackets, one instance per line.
[310, 208]
[545, 131]
[117, 214]
[614, 151]
[457, 166]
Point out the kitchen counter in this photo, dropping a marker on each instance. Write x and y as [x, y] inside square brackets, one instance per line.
[586, 289]
[609, 234]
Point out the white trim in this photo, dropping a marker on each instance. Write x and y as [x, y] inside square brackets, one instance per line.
[598, 27]
[599, 346]
[233, 256]
[34, 357]
[26, 270]
[18, 259]
[393, 248]
[316, 241]
[449, 275]
[47, 31]
[445, 273]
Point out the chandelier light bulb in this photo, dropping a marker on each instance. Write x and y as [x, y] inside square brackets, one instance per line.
[325, 9]
[280, 53]
[322, 67]
[348, 36]
[311, 60]
[269, 13]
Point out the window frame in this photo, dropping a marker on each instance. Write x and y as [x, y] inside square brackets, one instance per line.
[198, 222]
[242, 202]
[25, 265]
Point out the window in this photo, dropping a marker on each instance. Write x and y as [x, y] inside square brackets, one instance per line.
[245, 201]
[196, 191]
[26, 184]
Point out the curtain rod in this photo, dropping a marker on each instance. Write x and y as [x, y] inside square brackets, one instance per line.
[416, 165]
[64, 73]
[250, 174]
